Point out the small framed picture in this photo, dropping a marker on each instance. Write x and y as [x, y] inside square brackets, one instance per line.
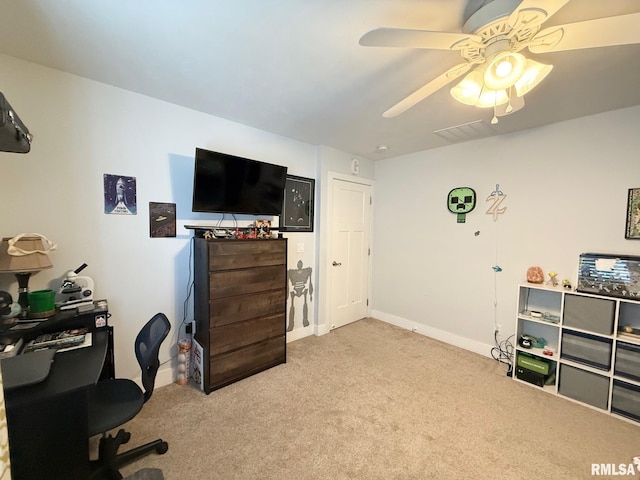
[162, 220]
[297, 208]
[632, 230]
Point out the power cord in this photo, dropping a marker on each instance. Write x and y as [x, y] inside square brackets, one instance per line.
[503, 352]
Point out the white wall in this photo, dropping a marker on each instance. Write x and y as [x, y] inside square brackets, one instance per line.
[84, 129]
[566, 187]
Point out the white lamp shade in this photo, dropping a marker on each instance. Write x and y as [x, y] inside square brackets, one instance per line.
[469, 89]
[492, 98]
[534, 73]
[504, 70]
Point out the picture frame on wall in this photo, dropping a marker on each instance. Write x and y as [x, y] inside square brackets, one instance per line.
[162, 220]
[632, 230]
[297, 207]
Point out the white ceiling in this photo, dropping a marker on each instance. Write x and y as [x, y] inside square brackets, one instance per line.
[295, 68]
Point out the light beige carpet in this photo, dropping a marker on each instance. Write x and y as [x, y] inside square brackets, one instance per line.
[373, 401]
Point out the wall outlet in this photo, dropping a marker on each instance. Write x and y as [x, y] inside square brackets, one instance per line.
[498, 328]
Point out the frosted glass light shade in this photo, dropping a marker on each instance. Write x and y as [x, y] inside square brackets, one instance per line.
[534, 73]
[469, 89]
[492, 98]
[504, 70]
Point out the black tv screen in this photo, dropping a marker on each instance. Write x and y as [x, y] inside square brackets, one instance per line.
[226, 183]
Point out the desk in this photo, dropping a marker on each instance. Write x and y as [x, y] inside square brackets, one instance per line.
[47, 422]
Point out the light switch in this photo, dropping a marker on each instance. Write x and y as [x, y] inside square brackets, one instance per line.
[300, 248]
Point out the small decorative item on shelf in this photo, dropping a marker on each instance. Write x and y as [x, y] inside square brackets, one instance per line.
[566, 284]
[263, 228]
[535, 275]
[553, 279]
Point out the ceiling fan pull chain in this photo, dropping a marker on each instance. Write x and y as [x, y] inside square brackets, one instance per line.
[509, 108]
[494, 120]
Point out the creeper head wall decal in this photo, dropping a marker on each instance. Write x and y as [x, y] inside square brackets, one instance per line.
[461, 201]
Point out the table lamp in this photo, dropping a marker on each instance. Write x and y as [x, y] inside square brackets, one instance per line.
[29, 257]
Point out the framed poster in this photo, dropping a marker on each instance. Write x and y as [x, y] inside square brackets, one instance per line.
[162, 219]
[120, 196]
[297, 208]
[632, 230]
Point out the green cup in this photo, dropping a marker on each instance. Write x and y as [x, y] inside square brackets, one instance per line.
[41, 301]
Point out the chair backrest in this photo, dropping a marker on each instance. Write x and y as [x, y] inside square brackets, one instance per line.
[147, 348]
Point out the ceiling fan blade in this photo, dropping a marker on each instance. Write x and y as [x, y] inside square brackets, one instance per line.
[431, 87]
[535, 10]
[601, 32]
[403, 38]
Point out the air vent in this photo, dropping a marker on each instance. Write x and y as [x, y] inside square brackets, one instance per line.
[466, 131]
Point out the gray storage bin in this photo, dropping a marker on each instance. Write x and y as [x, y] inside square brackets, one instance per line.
[625, 400]
[587, 349]
[584, 386]
[588, 313]
[627, 360]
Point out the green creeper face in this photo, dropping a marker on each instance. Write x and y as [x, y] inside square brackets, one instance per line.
[461, 201]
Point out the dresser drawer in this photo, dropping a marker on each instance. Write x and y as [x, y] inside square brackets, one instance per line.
[229, 367]
[224, 311]
[230, 254]
[249, 280]
[240, 334]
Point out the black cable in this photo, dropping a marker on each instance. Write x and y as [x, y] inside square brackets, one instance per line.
[185, 308]
[503, 352]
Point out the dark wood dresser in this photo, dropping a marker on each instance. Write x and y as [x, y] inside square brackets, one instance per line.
[240, 294]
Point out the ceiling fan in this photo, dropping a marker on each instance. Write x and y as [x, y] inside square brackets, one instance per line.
[491, 42]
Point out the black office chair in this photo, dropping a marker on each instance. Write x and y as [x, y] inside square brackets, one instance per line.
[116, 401]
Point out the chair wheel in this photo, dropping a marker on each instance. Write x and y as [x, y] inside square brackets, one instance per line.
[162, 448]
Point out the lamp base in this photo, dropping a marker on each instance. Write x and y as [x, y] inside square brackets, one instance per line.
[23, 293]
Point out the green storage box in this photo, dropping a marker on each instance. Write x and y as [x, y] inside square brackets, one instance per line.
[534, 364]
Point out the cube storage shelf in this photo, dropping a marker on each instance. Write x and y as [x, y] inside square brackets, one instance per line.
[591, 351]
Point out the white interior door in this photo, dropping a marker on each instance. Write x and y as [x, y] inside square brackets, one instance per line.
[349, 252]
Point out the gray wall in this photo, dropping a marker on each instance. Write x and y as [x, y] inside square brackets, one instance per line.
[566, 190]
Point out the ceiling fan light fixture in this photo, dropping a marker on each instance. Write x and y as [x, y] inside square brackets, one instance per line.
[474, 92]
[504, 70]
[492, 98]
[469, 89]
[534, 73]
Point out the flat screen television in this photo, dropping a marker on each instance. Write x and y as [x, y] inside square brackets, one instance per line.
[224, 183]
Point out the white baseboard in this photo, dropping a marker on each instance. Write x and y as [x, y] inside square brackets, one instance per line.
[321, 329]
[165, 376]
[443, 336]
[298, 333]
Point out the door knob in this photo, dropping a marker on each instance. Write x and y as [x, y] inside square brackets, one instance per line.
[336, 264]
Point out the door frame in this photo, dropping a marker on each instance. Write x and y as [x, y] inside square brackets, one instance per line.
[322, 326]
